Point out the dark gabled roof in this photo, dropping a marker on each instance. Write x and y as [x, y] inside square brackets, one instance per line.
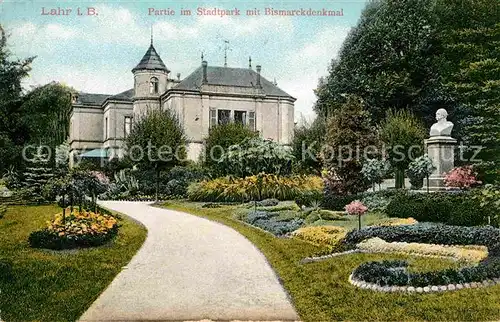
[124, 96]
[151, 61]
[244, 77]
[91, 99]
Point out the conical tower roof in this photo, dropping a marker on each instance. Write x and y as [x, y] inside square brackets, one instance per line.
[151, 61]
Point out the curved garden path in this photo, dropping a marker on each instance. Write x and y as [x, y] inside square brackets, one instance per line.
[190, 268]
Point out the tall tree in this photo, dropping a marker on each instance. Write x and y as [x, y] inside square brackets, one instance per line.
[348, 136]
[12, 133]
[389, 59]
[46, 114]
[157, 141]
[471, 71]
[403, 134]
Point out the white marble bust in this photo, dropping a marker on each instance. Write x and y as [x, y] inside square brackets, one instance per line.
[442, 127]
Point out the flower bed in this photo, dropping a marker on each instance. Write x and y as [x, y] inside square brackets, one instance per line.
[78, 229]
[394, 273]
[327, 236]
[469, 254]
[245, 189]
[272, 222]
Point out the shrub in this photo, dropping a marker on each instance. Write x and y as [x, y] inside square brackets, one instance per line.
[279, 228]
[229, 189]
[419, 169]
[211, 205]
[78, 229]
[308, 198]
[461, 177]
[489, 198]
[220, 138]
[308, 137]
[255, 155]
[268, 203]
[338, 202]
[448, 208]
[376, 202]
[327, 236]
[253, 216]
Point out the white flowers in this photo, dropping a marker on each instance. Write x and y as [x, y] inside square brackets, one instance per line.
[462, 253]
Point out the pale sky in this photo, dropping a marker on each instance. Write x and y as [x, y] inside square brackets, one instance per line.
[96, 53]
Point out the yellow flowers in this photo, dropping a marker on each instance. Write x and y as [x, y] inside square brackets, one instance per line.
[82, 223]
[464, 253]
[321, 235]
[397, 222]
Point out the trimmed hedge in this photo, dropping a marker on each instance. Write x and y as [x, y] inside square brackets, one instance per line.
[389, 273]
[458, 209]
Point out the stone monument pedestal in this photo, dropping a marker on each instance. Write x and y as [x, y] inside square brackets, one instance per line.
[440, 150]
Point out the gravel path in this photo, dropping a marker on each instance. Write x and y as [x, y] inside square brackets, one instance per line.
[190, 268]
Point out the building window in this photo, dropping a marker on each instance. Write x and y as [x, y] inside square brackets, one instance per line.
[251, 120]
[223, 116]
[240, 117]
[128, 125]
[106, 128]
[213, 117]
[153, 86]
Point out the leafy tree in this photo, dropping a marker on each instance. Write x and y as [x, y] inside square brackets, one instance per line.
[12, 133]
[389, 59]
[220, 138]
[348, 131]
[157, 141]
[375, 171]
[46, 114]
[254, 156]
[403, 134]
[306, 146]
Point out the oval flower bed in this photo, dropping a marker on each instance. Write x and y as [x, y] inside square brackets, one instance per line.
[394, 276]
[78, 229]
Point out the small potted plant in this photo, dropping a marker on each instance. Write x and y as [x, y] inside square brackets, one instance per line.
[356, 208]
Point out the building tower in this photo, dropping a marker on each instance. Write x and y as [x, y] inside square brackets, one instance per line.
[150, 81]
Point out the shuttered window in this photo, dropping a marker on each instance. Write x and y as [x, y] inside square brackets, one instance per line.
[213, 117]
[251, 120]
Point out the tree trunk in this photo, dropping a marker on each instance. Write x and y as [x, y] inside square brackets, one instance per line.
[400, 178]
[359, 222]
[157, 183]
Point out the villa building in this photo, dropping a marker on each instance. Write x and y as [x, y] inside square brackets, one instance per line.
[210, 95]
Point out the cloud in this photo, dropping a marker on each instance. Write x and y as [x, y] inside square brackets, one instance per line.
[307, 64]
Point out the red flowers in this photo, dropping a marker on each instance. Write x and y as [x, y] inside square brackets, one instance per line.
[461, 177]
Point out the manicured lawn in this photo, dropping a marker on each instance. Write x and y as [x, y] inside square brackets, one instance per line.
[57, 286]
[321, 292]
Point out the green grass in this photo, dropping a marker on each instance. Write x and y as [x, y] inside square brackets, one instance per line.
[351, 222]
[320, 291]
[57, 286]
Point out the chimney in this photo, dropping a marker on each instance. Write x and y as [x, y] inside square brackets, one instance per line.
[204, 65]
[258, 75]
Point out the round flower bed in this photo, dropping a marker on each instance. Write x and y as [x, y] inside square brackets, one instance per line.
[78, 229]
[393, 275]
